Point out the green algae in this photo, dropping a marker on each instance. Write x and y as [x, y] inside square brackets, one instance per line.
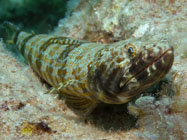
[38, 15]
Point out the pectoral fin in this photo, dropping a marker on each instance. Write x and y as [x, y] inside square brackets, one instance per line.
[61, 86]
[80, 105]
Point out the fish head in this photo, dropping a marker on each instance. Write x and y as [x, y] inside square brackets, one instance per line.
[130, 67]
[148, 64]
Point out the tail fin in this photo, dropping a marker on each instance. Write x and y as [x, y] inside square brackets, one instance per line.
[9, 32]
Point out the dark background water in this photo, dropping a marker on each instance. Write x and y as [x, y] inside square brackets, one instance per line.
[39, 16]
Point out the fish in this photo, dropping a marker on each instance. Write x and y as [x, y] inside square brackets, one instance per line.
[86, 74]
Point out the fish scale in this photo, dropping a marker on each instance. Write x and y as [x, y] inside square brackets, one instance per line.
[54, 58]
[87, 73]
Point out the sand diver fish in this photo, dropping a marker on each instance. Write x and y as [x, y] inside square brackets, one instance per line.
[86, 73]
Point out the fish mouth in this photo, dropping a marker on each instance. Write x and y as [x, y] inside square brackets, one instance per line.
[168, 52]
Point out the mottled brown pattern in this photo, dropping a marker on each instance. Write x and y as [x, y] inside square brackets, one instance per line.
[22, 49]
[88, 73]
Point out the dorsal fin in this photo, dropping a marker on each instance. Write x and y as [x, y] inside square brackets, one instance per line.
[64, 41]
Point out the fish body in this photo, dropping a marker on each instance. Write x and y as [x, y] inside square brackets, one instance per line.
[88, 73]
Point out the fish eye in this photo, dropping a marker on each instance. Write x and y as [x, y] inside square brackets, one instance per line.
[131, 49]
